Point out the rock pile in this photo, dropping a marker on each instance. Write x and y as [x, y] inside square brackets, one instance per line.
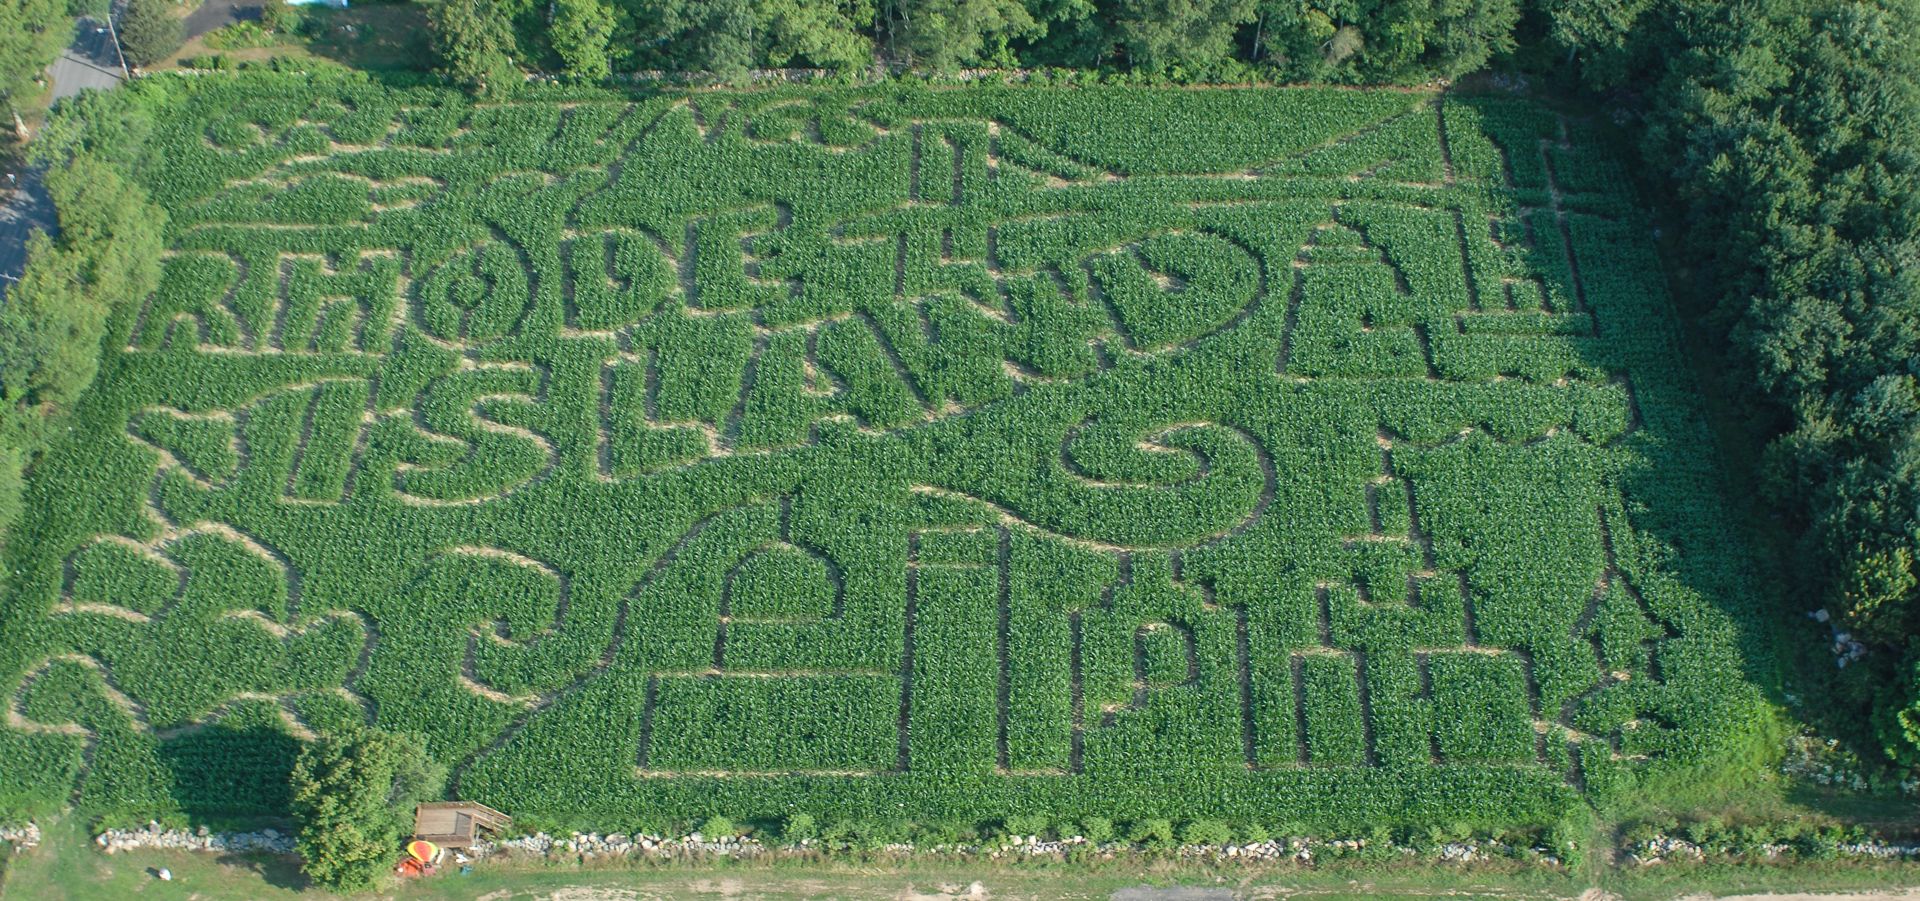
[593, 845]
[1666, 848]
[23, 837]
[1882, 850]
[272, 841]
[586, 846]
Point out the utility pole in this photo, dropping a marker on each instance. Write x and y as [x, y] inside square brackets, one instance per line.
[119, 54]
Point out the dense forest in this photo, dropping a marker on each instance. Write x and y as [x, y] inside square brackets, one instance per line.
[1781, 137]
[1345, 41]
[1786, 133]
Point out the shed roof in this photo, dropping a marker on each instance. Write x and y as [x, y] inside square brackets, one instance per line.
[456, 824]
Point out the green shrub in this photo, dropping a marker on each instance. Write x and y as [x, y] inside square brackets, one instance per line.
[1818, 844]
[944, 831]
[1206, 832]
[282, 18]
[241, 36]
[1096, 829]
[1153, 833]
[218, 62]
[1026, 824]
[798, 827]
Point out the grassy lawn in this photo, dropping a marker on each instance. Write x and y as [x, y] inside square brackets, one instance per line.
[377, 37]
[67, 867]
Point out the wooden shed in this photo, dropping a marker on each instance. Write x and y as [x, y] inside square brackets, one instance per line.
[456, 824]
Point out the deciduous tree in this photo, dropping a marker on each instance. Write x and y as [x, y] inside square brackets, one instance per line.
[50, 330]
[1162, 33]
[475, 41]
[1608, 40]
[581, 30]
[947, 34]
[1788, 129]
[831, 34]
[1385, 40]
[31, 35]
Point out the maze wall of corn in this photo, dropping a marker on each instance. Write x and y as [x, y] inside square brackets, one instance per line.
[1281, 455]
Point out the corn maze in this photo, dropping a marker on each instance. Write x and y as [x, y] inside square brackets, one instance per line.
[1300, 456]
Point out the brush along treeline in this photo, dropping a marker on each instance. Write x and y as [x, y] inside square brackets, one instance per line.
[1248, 455]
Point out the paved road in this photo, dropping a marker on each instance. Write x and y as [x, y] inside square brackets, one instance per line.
[89, 63]
[25, 210]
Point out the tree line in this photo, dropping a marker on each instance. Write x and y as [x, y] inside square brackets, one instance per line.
[1349, 41]
[54, 319]
[1783, 138]
[1787, 135]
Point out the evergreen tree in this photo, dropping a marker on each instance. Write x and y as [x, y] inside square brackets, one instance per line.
[353, 797]
[149, 31]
